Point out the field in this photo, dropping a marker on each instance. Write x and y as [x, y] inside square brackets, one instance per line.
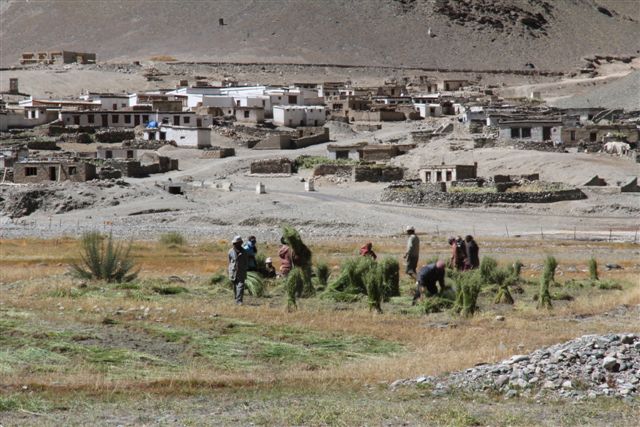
[172, 348]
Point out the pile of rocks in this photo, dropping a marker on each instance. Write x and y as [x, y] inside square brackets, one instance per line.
[590, 366]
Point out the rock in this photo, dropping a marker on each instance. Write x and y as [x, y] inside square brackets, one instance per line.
[628, 339]
[502, 380]
[499, 318]
[518, 358]
[510, 394]
[567, 384]
[610, 364]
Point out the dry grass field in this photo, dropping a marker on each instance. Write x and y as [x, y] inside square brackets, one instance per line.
[171, 348]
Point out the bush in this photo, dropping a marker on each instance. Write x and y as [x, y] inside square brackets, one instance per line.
[308, 162]
[173, 238]
[593, 269]
[42, 144]
[101, 259]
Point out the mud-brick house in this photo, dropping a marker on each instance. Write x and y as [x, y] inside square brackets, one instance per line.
[105, 153]
[351, 151]
[297, 115]
[534, 130]
[10, 155]
[447, 173]
[249, 114]
[597, 133]
[33, 172]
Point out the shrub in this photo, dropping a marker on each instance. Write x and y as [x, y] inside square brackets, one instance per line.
[308, 162]
[515, 269]
[607, 286]
[548, 275]
[488, 268]
[173, 238]
[102, 259]
[593, 269]
[254, 284]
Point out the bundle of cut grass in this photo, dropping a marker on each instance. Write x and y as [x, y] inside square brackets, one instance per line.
[322, 275]
[390, 270]
[488, 268]
[436, 304]
[503, 279]
[374, 281]
[548, 275]
[515, 269]
[254, 284]
[469, 285]
[294, 283]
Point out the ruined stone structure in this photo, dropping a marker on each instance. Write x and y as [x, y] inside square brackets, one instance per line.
[448, 173]
[272, 166]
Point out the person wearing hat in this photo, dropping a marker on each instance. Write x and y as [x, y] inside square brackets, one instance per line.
[238, 263]
[269, 269]
[413, 252]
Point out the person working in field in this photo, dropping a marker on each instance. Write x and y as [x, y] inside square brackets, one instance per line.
[238, 263]
[412, 253]
[367, 250]
[286, 258]
[473, 251]
[429, 275]
[269, 269]
[252, 250]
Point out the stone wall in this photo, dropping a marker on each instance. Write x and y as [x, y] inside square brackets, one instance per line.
[422, 195]
[218, 153]
[376, 173]
[272, 166]
[344, 170]
[114, 135]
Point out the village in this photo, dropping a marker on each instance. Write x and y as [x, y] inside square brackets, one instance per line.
[417, 138]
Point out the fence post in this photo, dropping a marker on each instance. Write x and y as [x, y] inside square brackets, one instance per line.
[635, 237]
[609, 234]
[541, 233]
[574, 233]
[506, 228]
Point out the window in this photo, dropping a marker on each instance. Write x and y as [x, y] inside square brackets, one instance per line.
[176, 120]
[30, 171]
[163, 136]
[145, 118]
[515, 132]
[238, 103]
[246, 114]
[526, 132]
[108, 154]
[186, 120]
[438, 176]
[115, 106]
[165, 120]
[129, 154]
[123, 105]
[573, 135]
[73, 170]
[593, 136]
[90, 118]
[427, 176]
[152, 136]
[114, 118]
[449, 176]
[199, 123]
[127, 118]
[342, 154]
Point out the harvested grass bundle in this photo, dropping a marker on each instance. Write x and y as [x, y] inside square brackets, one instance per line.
[373, 281]
[436, 304]
[254, 284]
[469, 285]
[548, 276]
[294, 283]
[101, 259]
[515, 269]
[390, 270]
[488, 268]
[593, 269]
[503, 279]
[323, 272]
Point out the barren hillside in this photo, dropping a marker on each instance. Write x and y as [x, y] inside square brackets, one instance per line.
[477, 34]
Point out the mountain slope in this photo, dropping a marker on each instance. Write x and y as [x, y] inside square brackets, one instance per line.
[476, 34]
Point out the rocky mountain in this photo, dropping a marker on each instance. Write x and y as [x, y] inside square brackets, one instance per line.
[471, 34]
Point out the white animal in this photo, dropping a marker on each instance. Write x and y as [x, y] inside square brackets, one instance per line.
[616, 147]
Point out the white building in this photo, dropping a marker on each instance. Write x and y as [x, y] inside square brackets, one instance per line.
[429, 110]
[187, 137]
[27, 117]
[130, 119]
[111, 101]
[294, 116]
